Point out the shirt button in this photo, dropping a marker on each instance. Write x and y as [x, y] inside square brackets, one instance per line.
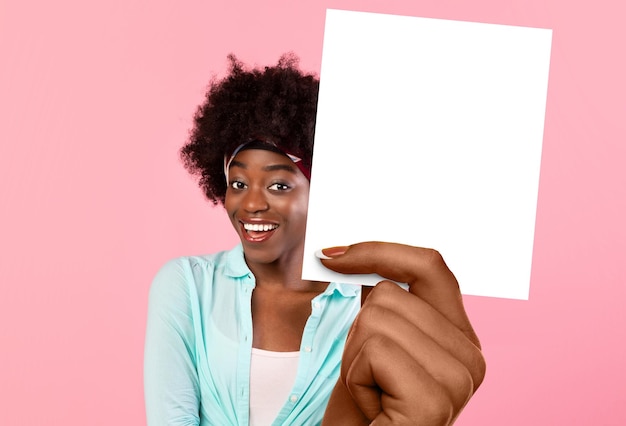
[307, 349]
[316, 305]
[293, 398]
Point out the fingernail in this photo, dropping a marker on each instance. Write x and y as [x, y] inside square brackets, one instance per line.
[331, 252]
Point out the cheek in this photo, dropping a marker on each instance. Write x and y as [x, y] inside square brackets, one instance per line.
[300, 209]
[230, 207]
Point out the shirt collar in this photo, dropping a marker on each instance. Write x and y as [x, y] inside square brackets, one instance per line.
[345, 290]
[236, 266]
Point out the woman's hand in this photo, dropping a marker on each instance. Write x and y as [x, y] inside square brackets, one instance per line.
[411, 358]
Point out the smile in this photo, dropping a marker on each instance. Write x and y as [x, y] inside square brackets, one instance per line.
[259, 227]
[257, 232]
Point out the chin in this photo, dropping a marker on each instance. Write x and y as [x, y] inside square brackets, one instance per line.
[267, 255]
[258, 254]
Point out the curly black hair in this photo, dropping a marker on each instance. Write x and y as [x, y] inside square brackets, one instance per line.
[277, 103]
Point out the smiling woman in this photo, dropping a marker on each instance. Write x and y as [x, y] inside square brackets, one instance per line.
[239, 338]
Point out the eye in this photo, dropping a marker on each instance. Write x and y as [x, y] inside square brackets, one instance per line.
[278, 187]
[237, 185]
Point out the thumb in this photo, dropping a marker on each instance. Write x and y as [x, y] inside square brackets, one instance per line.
[389, 260]
[346, 260]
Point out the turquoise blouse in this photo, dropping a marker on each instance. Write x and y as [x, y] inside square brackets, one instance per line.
[199, 341]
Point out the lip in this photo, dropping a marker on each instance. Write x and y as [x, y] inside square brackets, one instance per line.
[256, 236]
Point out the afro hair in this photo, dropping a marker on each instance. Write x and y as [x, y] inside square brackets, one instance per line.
[277, 103]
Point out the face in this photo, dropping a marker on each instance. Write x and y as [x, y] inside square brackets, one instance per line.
[266, 200]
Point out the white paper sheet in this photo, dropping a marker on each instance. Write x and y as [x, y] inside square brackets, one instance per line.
[429, 133]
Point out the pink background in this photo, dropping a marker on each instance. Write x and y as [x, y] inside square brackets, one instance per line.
[97, 97]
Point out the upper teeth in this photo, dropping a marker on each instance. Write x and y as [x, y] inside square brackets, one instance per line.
[259, 226]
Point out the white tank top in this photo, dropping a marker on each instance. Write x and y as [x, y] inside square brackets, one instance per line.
[272, 376]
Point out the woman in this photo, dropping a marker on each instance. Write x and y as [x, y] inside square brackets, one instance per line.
[239, 338]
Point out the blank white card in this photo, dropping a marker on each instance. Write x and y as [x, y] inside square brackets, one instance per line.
[429, 133]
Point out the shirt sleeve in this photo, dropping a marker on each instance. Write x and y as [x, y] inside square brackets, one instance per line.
[171, 388]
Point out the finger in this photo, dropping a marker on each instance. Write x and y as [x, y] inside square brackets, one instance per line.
[423, 269]
[398, 392]
[342, 410]
[375, 323]
[393, 261]
[389, 298]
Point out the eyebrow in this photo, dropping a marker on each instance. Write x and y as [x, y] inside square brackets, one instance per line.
[268, 168]
[286, 167]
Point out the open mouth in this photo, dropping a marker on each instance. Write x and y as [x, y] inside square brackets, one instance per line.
[257, 232]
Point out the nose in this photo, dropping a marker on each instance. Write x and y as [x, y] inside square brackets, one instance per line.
[255, 200]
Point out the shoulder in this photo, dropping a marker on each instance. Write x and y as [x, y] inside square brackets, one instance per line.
[180, 275]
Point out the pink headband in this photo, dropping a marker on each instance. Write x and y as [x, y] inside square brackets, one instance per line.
[270, 146]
